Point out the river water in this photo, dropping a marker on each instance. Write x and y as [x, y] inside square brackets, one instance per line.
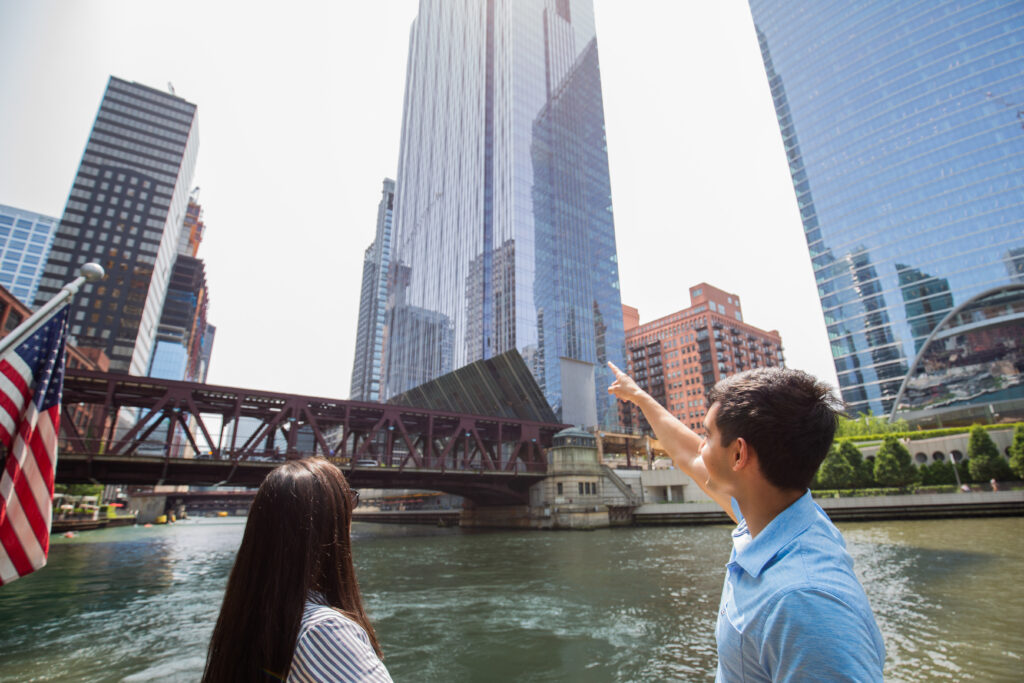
[633, 604]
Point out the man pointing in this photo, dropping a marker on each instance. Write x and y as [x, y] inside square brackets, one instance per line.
[792, 609]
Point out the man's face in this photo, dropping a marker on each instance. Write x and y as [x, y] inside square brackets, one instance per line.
[715, 455]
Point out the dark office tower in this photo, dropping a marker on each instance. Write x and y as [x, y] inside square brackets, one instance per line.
[365, 384]
[125, 211]
[504, 234]
[902, 123]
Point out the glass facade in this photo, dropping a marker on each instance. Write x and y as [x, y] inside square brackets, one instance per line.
[126, 210]
[903, 124]
[183, 322]
[25, 241]
[366, 363]
[972, 365]
[504, 233]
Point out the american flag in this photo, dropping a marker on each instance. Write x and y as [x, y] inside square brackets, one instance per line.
[31, 380]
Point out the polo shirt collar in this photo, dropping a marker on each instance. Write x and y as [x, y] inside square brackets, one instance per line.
[786, 526]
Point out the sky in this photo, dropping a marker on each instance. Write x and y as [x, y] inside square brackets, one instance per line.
[299, 122]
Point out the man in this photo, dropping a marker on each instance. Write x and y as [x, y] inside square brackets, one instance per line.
[792, 608]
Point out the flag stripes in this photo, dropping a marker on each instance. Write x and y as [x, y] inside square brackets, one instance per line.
[31, 380]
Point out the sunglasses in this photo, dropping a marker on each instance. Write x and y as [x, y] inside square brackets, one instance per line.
[353, 497]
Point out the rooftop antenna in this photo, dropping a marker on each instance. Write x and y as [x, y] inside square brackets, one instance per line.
[170, 88]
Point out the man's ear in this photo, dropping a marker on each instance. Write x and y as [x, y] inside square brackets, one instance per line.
[742, 454]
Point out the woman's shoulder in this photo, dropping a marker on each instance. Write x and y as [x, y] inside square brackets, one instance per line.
[324, 617]
[331, 646]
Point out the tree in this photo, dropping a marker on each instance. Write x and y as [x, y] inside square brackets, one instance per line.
[79, 489]
[983, 455]
[893, 466]
[1017, 451]
[835, 471]
[863, 474]
[937, 473]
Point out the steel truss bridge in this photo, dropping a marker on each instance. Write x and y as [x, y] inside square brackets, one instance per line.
[123, 429]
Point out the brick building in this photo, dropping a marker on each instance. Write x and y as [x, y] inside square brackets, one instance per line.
[88, 420]
[678, 358]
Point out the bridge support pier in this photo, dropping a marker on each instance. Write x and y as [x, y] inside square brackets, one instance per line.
[149, 507]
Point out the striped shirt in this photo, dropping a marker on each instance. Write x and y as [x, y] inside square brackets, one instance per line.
[332, 647]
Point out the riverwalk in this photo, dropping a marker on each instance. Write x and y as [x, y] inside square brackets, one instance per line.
[852, 509]
[857, 509]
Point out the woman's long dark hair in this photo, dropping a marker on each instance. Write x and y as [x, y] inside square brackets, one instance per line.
[296, 541]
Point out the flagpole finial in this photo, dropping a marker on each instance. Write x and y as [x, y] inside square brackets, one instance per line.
[92, 272]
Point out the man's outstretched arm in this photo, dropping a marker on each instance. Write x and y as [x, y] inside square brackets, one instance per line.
[681, 442]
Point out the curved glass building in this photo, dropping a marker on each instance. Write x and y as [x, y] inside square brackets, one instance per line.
[972, 364]
[903, 124]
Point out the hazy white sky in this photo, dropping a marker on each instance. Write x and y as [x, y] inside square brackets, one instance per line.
[299, 120]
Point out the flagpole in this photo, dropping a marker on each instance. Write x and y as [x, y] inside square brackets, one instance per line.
[90, 272]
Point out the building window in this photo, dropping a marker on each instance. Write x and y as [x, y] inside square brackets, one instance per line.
[559, 488]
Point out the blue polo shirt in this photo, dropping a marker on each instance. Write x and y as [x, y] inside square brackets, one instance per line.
[792, 609]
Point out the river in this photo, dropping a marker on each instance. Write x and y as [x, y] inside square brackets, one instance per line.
[632, 604]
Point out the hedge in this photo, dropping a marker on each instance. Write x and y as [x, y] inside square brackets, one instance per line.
[927, 434]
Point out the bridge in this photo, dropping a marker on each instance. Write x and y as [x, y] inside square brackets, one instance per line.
[123, 429]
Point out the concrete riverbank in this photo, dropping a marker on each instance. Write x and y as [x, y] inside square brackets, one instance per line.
[903, 507]
[910, 506]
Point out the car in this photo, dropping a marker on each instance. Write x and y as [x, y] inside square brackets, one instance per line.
[366, 462]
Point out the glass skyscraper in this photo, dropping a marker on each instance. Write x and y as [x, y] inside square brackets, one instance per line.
[365, 384]
[125, 212]
[504, 235]
[25, 241]
[180, 352]
[903, 124]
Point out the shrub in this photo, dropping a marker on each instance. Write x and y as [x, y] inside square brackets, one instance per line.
[863, 474]
[922, 434]
[938, 473]
[983, 455]
[868, 423]
[835, 471]
[1017, 452]
[893, 466]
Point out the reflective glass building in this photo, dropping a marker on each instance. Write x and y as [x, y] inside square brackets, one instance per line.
[971, 366]
[504, 236]
[903, 123]
[25, 241]
[366, 362]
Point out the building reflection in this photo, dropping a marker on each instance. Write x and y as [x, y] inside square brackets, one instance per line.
[971, 366]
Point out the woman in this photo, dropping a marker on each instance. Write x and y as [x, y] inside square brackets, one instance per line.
[292, 609]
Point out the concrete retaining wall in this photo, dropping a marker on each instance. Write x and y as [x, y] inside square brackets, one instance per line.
[911, 506]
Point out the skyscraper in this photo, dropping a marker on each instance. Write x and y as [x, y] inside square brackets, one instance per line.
[903, 124]
[125, 211]
[25, 241]
[504, 236]
[179, 350]
[372, 298]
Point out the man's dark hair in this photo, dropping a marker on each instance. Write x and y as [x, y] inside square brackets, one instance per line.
[787, 416]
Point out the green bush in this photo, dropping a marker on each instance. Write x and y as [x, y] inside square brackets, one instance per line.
[868, 423]
[835, 471]
[1017, 452]
[924, 434]
[863, 469]
[938, 473]
[893, 466]
[983, 455]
